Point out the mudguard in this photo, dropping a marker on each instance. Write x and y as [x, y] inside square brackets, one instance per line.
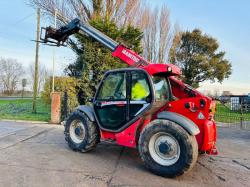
[184, 122]
[89, 111]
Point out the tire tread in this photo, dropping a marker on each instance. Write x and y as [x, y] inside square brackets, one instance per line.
[179, 133]
[93, 135]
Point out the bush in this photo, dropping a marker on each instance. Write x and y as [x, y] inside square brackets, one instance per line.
[62, 84]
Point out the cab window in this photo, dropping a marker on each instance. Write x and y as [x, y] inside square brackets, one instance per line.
[162, 91]
[140, 93]
[114, 87]
[140, 87]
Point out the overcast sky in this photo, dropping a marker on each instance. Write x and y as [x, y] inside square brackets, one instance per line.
[226, 20]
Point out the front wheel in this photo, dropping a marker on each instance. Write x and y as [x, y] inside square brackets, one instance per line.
[80, 133]
[167, 149]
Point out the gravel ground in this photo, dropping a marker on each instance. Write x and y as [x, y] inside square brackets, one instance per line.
[37, 155]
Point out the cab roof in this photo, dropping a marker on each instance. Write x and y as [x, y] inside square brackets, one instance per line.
[171, 69]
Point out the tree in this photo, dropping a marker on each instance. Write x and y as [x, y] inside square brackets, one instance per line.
[10, 74]
[157, 33]
[114, 18]
[155, 24]
[93, 58]
[175, 42]
[24, 84]
[119, 11]
[43, 74]
[199, 59]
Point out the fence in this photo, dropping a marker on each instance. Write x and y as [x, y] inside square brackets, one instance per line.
[64, 110]
[235, 112]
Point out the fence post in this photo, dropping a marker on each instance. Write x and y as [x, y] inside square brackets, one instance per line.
[241, 116]
[65, 105]
[55, 107]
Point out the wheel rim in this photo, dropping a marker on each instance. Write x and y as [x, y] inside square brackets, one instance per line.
[77, 131]
[164, 149]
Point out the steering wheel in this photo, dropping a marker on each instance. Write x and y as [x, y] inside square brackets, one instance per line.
[119, 95]
[109, 97]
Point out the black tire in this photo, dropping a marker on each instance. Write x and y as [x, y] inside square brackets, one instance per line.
[91, 135]
[187, 145]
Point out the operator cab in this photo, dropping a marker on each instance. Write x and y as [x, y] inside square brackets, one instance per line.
[125, 95]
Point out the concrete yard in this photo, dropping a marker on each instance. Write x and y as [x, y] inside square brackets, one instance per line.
[37, 155]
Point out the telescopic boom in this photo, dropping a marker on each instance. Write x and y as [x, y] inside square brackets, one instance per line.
[60, 36]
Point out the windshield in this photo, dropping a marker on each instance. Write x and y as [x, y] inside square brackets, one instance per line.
[113, 87]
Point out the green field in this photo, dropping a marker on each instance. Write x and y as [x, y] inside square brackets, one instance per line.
[224, 114]
[21, 109]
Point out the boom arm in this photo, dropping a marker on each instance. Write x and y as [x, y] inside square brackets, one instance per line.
[59, 36]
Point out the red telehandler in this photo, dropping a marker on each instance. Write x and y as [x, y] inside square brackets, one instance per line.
[169, 125]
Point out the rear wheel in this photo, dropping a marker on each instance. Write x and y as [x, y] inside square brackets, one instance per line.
[80, 133]
[167, 149]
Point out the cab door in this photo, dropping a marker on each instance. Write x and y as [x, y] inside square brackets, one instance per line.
[141, 93]
[122, 97]
[111, 101]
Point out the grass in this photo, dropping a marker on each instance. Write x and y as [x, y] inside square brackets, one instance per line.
[224, 114]
[21, 109]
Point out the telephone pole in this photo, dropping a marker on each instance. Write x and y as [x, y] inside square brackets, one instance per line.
[54, 59]
[36, 63]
